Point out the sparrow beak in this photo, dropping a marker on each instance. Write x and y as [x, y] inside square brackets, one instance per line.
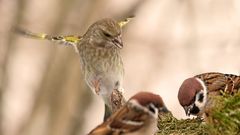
[187, 110]
[118, 42]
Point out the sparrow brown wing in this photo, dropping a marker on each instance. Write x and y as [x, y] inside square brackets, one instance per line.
[103, 129]
[216, 82]
[126, 120]
[129, 119]
[236, 82]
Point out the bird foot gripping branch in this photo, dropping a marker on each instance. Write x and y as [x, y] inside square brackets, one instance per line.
[117, 100]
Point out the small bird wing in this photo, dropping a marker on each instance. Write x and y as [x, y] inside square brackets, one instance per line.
[213, 81]
[103, 129]
[233, 83]
[218, 81]
[125, 120]
[66, 40]
[128, 119]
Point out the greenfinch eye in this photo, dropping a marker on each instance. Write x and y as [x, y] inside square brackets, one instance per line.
[107, 34]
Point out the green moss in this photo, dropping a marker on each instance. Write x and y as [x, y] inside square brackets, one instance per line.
[223, 119]
[170, 125]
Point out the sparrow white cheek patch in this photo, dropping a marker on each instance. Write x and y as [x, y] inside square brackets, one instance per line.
[200, 100]
[201, 97]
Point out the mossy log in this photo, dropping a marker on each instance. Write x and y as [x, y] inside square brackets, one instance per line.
[224, 119]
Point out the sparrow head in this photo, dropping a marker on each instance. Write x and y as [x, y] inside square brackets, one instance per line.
[192, 96]
[152, 102]
[106, 33]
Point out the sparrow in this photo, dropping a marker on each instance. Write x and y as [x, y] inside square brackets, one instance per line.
[195, 93]
[137, 117]
[99, 50]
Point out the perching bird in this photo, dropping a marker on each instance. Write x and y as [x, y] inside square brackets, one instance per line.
[195, 93]
[137, 117]
[99, 49]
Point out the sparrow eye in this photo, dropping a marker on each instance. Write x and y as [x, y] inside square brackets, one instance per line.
[200, 98]
[152, 108]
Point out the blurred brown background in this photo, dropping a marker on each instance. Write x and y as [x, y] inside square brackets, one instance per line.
[42, 91]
